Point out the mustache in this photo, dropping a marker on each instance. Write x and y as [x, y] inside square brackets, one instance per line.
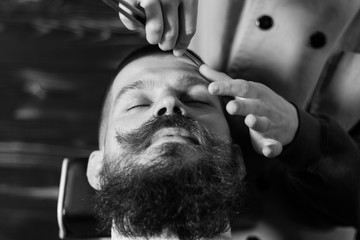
[140, 139]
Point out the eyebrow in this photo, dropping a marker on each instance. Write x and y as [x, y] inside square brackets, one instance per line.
[190, 81]
[185, 81]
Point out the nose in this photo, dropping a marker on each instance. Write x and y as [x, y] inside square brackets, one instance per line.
[168, 105]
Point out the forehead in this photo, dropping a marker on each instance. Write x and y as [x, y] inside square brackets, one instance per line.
[159, 69]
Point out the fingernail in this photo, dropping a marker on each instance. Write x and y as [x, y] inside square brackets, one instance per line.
[266, 151]
[231, 108]
[178, 52]
[214, 89]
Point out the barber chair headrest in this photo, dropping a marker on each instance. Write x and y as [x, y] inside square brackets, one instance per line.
[76, 217]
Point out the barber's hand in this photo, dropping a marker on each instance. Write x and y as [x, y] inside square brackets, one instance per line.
[272, 120]
[169, 23]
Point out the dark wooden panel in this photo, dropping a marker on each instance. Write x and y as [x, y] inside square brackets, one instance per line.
[56, 60]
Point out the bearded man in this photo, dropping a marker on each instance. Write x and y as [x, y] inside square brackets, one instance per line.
[167, 166]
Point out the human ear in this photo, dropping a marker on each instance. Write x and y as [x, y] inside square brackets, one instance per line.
[94, 168]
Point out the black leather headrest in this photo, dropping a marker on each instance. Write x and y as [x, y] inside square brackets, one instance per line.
[76, 216]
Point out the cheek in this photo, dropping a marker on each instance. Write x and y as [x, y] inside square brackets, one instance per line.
[112, 148]
[130, 122]
[216, 123]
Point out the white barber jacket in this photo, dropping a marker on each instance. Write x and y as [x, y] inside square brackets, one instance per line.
[303, 50]
[286, 45]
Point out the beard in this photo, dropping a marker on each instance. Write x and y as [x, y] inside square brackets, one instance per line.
[172, 194]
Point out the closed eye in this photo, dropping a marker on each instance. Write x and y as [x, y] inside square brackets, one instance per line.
[195, 102]
[138, 106]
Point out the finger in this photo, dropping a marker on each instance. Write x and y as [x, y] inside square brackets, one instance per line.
[187, 25]
[171, 24]
[127, 22]
[236, 88]
[224, 85]
[213, 75]
[257, 123]
[272, 148]
[243, 107]
[154, 20]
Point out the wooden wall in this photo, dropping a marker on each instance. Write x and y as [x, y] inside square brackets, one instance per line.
[56, 59]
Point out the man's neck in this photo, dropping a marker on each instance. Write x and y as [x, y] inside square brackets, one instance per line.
[116, 236]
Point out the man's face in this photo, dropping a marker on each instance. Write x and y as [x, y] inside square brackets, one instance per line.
[168, 164]
[157, 86]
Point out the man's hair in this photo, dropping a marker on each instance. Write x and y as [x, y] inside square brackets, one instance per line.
[144, 51]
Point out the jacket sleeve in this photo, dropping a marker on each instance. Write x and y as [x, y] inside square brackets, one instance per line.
[323, 168]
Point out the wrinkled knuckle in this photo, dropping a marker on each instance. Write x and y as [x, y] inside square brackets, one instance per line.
[245, 87]
[221, 88]
[228, 87]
